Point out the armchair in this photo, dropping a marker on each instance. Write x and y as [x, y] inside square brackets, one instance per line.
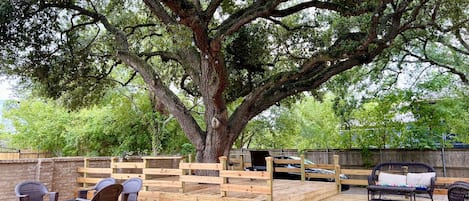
[100, 185]
[108, 193]
[34, 191]
[458, 191]
[131, 188]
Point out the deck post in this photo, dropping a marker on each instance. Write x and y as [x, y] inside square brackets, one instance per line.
[113, 166]
[145, 166]
[183, 172]
[270, 181]
[302, 166]
[337, 172]
[241, 162]
[223, 167]
[86, 163]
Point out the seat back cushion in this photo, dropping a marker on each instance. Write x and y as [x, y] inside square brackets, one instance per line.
[420, 179]
[389, 179]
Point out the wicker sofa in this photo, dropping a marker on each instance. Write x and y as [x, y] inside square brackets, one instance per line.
[401, 178]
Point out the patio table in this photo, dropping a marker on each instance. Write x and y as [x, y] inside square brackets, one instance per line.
[373, 189]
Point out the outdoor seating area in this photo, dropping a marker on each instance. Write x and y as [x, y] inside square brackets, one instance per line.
[105, 190]
[175, 179]
[402, 178]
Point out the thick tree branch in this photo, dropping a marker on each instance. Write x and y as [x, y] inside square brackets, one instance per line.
[158, 10]
[212, 7]
[165, 55]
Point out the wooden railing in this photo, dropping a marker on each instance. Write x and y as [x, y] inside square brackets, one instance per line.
[158, 177]
[180, 176]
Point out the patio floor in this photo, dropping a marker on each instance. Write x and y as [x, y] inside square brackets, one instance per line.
[359, 194]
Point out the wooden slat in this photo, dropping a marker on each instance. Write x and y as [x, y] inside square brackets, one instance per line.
[359, 182]
[321, 166]
[246, 188]
[282, 169]
[245, 174]
[88, 180]
[317, 175]
[355, 172]
[94, 170]
[162, 157]
[125, 175]
[235, 160]
[287, 161]
[162, 171]
[440, 191]
[200, 179]
[200, 166]
[450, 180]
[161, 183]
[128, 165]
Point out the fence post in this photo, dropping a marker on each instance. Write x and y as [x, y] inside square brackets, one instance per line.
[270, 181]
[145, 166]
[337, 172]
[302, 166]
[86, 163]
[223, 167]
[183, 172]
[113, 166]
[241, 161]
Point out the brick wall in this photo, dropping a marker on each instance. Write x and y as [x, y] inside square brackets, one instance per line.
[58, 174]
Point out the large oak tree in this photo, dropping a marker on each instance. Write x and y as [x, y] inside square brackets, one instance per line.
[255, 52]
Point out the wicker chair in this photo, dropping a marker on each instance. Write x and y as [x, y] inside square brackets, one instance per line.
[34, 191]
[100, 185]
[108, 193]
[131, 188]
[458, 191]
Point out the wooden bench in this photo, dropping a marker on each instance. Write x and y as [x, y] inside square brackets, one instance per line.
[401, 178]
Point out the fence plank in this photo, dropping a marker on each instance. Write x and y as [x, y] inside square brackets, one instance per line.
[449, 180]
[320, 176]
[94, 170]
[125, 175]
[200, 179]
[358, 182]
[283, 169]
[88, 180]
[355, 171]
[162, 171]
[245, 174]
[128, 165]
[246, 188]
[162, 183]
[200, 166]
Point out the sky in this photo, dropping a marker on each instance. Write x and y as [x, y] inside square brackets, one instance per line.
[5, 89]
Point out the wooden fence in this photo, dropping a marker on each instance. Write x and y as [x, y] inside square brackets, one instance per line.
[357, 177]
[23, 155]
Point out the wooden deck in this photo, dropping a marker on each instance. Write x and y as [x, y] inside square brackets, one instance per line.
[283, 190]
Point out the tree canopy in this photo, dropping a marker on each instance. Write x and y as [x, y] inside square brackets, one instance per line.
[252, 53]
